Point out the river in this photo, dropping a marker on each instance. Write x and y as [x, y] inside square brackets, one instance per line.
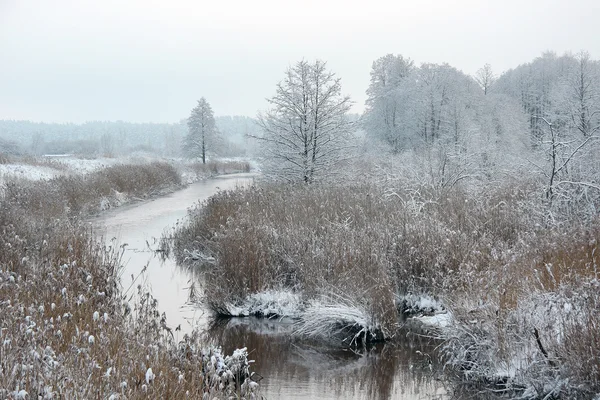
[291, 369]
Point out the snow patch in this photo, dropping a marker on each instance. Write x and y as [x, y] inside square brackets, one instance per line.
[150, 376]
[441, 321]
[29, 172]
[270, 303]
[423, 304]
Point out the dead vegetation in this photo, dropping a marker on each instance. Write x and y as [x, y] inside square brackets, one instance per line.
[85, 194]
[501, 269]
[65, 329]
[219, 167]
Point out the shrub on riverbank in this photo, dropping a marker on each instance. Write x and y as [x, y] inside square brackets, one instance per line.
[502, 271]
[65, 329]
[360, 241]
[220, 167]
[85, 194]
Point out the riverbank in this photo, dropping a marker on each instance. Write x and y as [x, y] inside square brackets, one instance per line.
[65, 329]
[514, 298]
[87, 187]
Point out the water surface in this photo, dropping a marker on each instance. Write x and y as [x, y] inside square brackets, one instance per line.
[139, 227]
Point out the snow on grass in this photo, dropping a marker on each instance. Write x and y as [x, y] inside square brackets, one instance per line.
[270, 303]
[424, 304]
[229, 371]
[329, 317]
[49, 168]
[441, 321]
[30, 172]
[64, 320]
[339, 316]
[86, 166]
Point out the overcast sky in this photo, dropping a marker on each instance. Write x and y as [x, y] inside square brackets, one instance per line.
[146, 60]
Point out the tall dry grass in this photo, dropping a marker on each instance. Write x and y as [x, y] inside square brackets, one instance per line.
[65, 329]
[85, 194]
[362, 241]
[489, 255]
[220, 167]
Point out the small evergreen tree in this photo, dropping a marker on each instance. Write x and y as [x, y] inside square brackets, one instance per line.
[201, 130]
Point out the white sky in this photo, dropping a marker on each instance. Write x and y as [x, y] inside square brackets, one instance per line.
[147, 60]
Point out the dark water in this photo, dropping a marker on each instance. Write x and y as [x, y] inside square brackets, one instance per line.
[297, 369]
[291, 369]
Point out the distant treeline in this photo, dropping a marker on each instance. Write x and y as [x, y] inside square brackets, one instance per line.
[103, 138]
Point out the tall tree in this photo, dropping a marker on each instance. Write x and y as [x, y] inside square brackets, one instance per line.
[201, 130]
[386, 105]
[585, 105]
[305, 132]
[485, 78]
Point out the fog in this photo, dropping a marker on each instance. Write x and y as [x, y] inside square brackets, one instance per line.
[149, 61]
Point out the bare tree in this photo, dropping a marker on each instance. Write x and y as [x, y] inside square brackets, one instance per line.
[386, 105]
[107, 144]
[561, 152]
[485, 77]
[202, 130]
[585, 112]
[305, 132]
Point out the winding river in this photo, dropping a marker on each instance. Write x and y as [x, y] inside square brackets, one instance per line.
[291, 369]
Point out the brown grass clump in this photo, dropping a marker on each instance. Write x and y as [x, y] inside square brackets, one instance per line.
[361, 241]
[580, 354]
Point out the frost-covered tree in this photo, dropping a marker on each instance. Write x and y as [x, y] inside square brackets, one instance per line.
[485, 78]
[439, 118]
[409, 107]
[107, 144]
[306, 131]
[542, 87]
[201, 130]
[585, 95]
[387, 101]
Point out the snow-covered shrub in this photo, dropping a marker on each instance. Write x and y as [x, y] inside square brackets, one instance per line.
[538, 332]
[410, 304]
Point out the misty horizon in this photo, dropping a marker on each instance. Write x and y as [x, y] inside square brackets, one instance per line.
[72, 62]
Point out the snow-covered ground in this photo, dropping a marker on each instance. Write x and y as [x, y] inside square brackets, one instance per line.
[83, 166]
[24, 171]
[52, 167]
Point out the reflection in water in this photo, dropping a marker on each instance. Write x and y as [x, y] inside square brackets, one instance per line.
[296, 369]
